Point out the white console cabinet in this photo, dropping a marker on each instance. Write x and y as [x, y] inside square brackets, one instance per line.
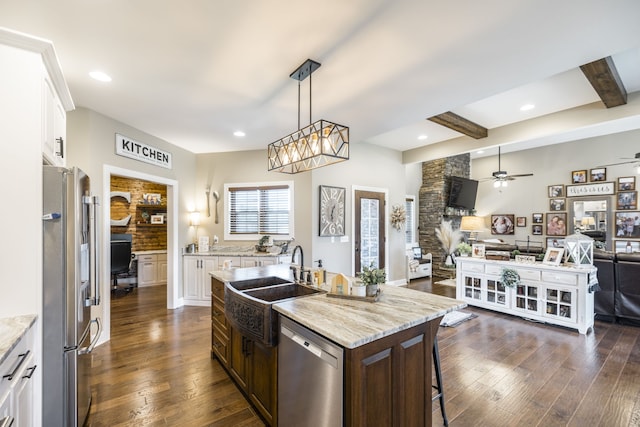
[552, 294]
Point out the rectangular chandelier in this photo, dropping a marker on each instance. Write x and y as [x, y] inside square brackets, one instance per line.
[320, 144]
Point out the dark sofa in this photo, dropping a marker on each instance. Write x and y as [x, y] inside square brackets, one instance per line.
[619, 279]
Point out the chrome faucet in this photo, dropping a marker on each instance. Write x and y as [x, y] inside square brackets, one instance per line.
[293, 258]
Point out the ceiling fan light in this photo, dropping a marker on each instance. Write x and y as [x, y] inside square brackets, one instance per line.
[638, 169]
[496, 184]
[505, 183]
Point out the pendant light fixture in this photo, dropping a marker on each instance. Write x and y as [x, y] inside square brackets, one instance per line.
[319, 144]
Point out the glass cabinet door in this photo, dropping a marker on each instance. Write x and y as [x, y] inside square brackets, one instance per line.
[527, 299]
[560, 302]
[473, 288]
[496, 292]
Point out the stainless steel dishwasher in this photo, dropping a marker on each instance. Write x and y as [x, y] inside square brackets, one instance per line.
[310, 378]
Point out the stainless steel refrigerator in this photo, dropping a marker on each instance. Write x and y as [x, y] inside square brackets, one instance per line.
[71, 287]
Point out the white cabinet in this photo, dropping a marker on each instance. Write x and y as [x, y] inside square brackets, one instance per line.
[552, 294]
[54, 125]
[196, 279]
[18, 371]
[254, 261]
[152, 269]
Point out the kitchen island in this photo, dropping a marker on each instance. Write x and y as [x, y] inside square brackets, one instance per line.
[387, 347]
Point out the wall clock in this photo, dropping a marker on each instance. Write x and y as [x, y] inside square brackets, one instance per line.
[331, 211]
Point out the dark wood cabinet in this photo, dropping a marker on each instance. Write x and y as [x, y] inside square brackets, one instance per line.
[220, 345]
[252, 365]
[388, 381]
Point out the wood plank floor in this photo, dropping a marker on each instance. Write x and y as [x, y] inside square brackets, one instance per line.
[498, 370]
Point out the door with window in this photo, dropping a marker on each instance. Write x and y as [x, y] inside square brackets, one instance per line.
[369, 233]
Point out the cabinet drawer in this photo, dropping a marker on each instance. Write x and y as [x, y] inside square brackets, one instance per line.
[147, 258]
[220, 345]
[473, 267]
[217, 289]
[218, 317]
[528, 274]
[557, 277]
[494, 269]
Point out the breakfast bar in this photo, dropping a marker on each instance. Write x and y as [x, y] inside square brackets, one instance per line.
[385, 350]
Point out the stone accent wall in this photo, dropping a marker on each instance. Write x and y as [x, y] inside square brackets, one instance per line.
[433, 198]
[146, 237]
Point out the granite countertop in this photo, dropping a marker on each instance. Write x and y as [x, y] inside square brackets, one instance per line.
[12, 329]
[248, 251]
[352, 323]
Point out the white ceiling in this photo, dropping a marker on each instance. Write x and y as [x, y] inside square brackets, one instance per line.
[193, 72]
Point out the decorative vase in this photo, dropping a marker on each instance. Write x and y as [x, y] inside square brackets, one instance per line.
[372, 290]
[448, 261]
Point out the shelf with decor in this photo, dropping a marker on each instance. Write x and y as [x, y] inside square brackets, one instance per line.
[151, 215]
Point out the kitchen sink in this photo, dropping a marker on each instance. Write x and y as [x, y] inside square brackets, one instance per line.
[282, 292]
[259, 282]
[248, 305]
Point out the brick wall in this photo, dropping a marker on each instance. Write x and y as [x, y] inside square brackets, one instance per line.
[433, 198]
[146, 236]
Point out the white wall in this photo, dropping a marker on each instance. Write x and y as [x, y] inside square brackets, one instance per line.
[550, 165]
[91, 147]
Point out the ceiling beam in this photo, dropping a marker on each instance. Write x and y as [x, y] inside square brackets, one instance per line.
[460, 124]
[603, 76]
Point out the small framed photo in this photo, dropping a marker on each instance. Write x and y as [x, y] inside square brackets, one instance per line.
[555, 243]
[628, 224]
[477, 250]
[157, 219]
[556, 224]
[628, 246]
[598, 175]
[556, 204]
[556, 190]
[627, 183]
[502, 224]
[553, 256]
[627, 200]
[537, 218]
[579, 177]
[521, 221]
[536, 229]
[152, 199]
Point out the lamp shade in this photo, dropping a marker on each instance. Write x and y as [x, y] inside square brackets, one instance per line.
[588, 221]
[472, 223]
[194, 218]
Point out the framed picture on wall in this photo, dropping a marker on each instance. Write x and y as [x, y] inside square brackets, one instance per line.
[627, 183]
[579, 177]
[556, 190]
[502, 224]
[536, 229]
[556, 204]
[521, 221]
[537, 218]
[597, 175]
[627, 200]
[556, 224]
[628, 224]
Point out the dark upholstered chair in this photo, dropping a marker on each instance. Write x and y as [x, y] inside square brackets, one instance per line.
[120, 260]
[628, 295]
[604, 299]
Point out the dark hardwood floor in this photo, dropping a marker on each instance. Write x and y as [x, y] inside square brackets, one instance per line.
[498, 370]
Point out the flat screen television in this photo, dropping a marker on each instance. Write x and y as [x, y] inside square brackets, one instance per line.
[463, 193]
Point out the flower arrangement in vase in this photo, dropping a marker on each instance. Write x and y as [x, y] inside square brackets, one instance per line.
[449, 239]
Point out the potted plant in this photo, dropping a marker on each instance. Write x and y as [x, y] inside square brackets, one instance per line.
[510, 277]
[372, 277]
[262, 244]
[464, 249]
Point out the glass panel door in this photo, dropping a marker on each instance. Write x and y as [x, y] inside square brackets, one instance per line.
[369, 230]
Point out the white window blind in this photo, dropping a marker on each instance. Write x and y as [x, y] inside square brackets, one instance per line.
[410, 233]
[259, 210]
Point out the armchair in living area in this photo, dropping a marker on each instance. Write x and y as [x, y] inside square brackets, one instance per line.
[418, 264]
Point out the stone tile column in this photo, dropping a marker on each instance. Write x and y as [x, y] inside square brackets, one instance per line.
[433, 198]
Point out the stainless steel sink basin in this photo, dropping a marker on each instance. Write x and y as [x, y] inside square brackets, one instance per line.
[248, 305]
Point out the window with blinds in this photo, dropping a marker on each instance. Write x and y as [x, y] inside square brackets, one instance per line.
[259, 210]
[410, 233]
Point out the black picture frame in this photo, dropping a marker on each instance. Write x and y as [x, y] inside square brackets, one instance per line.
[627, 225]
[521, 221]
[537, 218]
[579, 176]
[555, 190]
[627, 183]
[536, 229]
[557, 205]
[331, 211]
[597, 175]
[627, 200]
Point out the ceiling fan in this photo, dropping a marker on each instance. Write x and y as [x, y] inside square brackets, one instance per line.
[635, 159]
[501, 178]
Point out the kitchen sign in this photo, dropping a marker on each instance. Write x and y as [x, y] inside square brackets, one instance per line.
[127, 147]
[593, 189]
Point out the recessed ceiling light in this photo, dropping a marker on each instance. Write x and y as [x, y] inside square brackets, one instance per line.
[479, 151]
[100, 76]
[527, 107]
[239, 133]
[422, 137]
